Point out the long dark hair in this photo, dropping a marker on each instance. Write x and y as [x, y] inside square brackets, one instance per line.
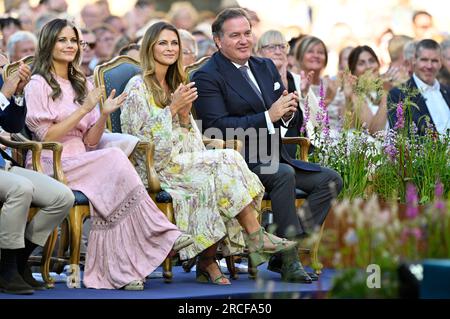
[175, 74]
[43, 63]
[354, 56]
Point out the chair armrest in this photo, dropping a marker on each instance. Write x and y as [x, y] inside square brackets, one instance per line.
[214, 143]
[148, 149]
[56, 149]
[35, 147]
[304, 145]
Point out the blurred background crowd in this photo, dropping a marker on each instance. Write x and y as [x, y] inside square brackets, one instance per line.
[113, 24]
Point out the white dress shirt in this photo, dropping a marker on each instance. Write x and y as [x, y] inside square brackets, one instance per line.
[438, 108]
[4, 102]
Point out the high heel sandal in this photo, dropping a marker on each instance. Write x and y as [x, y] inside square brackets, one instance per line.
[258, 252]
[203, 276]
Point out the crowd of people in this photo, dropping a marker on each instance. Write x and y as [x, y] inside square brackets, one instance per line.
[261, 87]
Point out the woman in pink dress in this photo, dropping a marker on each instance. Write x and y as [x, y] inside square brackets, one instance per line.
[129, 236]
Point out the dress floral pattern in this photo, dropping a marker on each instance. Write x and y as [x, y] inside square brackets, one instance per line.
[209, 187]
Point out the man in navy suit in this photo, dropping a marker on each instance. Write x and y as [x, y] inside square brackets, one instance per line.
[433, 98]
[20, 187]
[240, 92]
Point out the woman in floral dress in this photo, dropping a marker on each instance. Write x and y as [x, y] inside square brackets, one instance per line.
[214, 193]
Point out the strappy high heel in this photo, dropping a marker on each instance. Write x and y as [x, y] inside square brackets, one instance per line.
[204, 276]
[259, 253]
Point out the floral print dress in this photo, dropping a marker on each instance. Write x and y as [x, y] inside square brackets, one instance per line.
[209, 187]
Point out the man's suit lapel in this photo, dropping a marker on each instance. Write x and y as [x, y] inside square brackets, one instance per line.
[237, 82]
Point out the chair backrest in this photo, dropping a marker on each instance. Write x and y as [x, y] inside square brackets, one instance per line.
[115, 74]
[9, 69]
[192, 68]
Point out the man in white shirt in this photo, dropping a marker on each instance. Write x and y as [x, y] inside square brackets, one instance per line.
[433, 99]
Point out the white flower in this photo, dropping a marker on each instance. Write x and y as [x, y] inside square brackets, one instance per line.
[350, 237]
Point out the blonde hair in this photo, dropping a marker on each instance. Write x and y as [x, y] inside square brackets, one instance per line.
[269, 37]
[175, 74]
[303, 46]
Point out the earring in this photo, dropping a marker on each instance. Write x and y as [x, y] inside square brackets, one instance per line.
[71, 69]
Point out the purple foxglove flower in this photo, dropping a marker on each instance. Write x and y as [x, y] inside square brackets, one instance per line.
[391, 151]
[400, 119]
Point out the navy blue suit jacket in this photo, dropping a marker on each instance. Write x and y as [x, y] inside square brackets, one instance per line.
[226, 100]
[12, 118]
[418, 115]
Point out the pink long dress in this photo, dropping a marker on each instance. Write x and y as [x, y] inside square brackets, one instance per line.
[129, 236]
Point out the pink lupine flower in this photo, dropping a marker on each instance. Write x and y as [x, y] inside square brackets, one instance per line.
[412, 209]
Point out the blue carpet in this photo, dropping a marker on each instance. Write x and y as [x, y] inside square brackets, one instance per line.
[268, 285]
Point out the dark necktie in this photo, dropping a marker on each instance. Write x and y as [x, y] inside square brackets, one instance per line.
[243, 70]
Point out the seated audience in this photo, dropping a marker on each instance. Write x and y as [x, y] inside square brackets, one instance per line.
[430, 108]
[189, 47]
[63, 107]
[214, 193]
[312, 55]
[88, 54]
[273, 45]
[20, 45]
[132, 50]
[444, 73]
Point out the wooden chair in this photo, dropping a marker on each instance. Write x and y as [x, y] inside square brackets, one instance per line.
[19, 150]
[115, 74]
[12, 67]
[71, 228]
